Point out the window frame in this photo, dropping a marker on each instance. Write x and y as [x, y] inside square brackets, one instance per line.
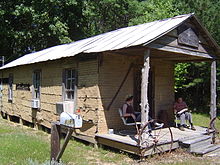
[71, 87]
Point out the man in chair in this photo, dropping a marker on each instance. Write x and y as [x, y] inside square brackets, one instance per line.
[182, 113]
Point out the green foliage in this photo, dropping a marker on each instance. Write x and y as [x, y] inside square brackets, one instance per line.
[32, 25]
[155, 10]
[192, 81]
[181, 71]
[107, 15]
[27, 26]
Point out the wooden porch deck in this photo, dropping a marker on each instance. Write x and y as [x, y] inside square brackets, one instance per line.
[129, 143]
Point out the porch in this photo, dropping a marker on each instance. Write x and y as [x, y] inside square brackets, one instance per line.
[147, 72]
[129, 143]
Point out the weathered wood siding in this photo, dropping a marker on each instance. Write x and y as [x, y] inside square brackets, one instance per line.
[98, 81]
[169, 42]
[112, 72]
[88, 95]
[51, 92]
[164, 86]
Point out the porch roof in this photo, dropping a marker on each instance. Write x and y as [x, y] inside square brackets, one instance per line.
[139, 35]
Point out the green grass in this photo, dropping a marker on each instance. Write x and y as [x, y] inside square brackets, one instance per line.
[25, 146]
[201, 119]
[20, 145]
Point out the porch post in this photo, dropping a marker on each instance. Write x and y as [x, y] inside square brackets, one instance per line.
[213, 92]
[144, 88]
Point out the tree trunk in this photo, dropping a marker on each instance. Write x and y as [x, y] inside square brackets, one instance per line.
[144, 89]
[213, 92]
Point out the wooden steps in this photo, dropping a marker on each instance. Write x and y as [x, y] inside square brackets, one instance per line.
[193, 143]
[213, 153]
[207, 149]
[200, 145]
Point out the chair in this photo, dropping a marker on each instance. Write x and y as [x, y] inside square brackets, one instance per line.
[124, 120]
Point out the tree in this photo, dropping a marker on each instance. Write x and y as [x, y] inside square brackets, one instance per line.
[106, 15]
[196, 84]
[31, 25]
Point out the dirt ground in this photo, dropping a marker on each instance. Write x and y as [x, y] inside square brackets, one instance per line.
[181, 157]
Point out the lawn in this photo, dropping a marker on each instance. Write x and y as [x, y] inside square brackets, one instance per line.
[202, 119]
[21, 145]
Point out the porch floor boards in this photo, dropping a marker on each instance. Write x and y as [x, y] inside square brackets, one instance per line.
[129, 143]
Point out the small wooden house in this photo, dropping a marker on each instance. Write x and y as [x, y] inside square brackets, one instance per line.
[95, 75]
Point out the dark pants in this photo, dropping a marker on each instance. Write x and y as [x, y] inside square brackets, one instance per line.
[138, 118]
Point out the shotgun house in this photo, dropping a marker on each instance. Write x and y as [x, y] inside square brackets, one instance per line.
[94, 75]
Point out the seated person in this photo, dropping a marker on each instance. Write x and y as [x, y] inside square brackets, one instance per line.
[182, 112]
[132, 116]
[128, 111]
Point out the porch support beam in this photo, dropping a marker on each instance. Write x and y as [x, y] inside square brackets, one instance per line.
[144, 88]
[213, 92]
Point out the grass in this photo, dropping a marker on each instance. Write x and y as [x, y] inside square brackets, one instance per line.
[202, 119]
[20, 145]
[24, 146]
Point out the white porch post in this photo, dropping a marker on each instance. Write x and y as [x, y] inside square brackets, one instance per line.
[144, 88]
[213, 92]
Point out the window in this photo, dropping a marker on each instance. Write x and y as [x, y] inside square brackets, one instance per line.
[69, 82]
[10, 87]
[36, 84]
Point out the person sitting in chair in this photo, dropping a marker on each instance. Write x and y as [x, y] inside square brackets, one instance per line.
[132, 116]
[182, 113]
[128, 111]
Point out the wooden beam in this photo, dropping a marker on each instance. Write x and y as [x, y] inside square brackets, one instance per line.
[67, 138]
[213, 92]
[55, 140]
[144, 88]
[180, 50]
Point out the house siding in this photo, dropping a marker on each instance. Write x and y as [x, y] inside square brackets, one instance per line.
[97, 84]
[51, 92]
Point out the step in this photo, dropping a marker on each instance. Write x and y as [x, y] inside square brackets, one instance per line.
[206, 150]
[213, 153]
[201, 148]
[195, 143]
[200, 144]
[190, 137]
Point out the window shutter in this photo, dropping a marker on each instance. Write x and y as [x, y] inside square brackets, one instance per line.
[63, 85]
[10, 87]
[75, 90]
[76, 73]
[40, 82]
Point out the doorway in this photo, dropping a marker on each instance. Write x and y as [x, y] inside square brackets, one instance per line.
[137, 90]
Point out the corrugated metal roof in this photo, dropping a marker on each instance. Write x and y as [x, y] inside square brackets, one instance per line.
[117, 39]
